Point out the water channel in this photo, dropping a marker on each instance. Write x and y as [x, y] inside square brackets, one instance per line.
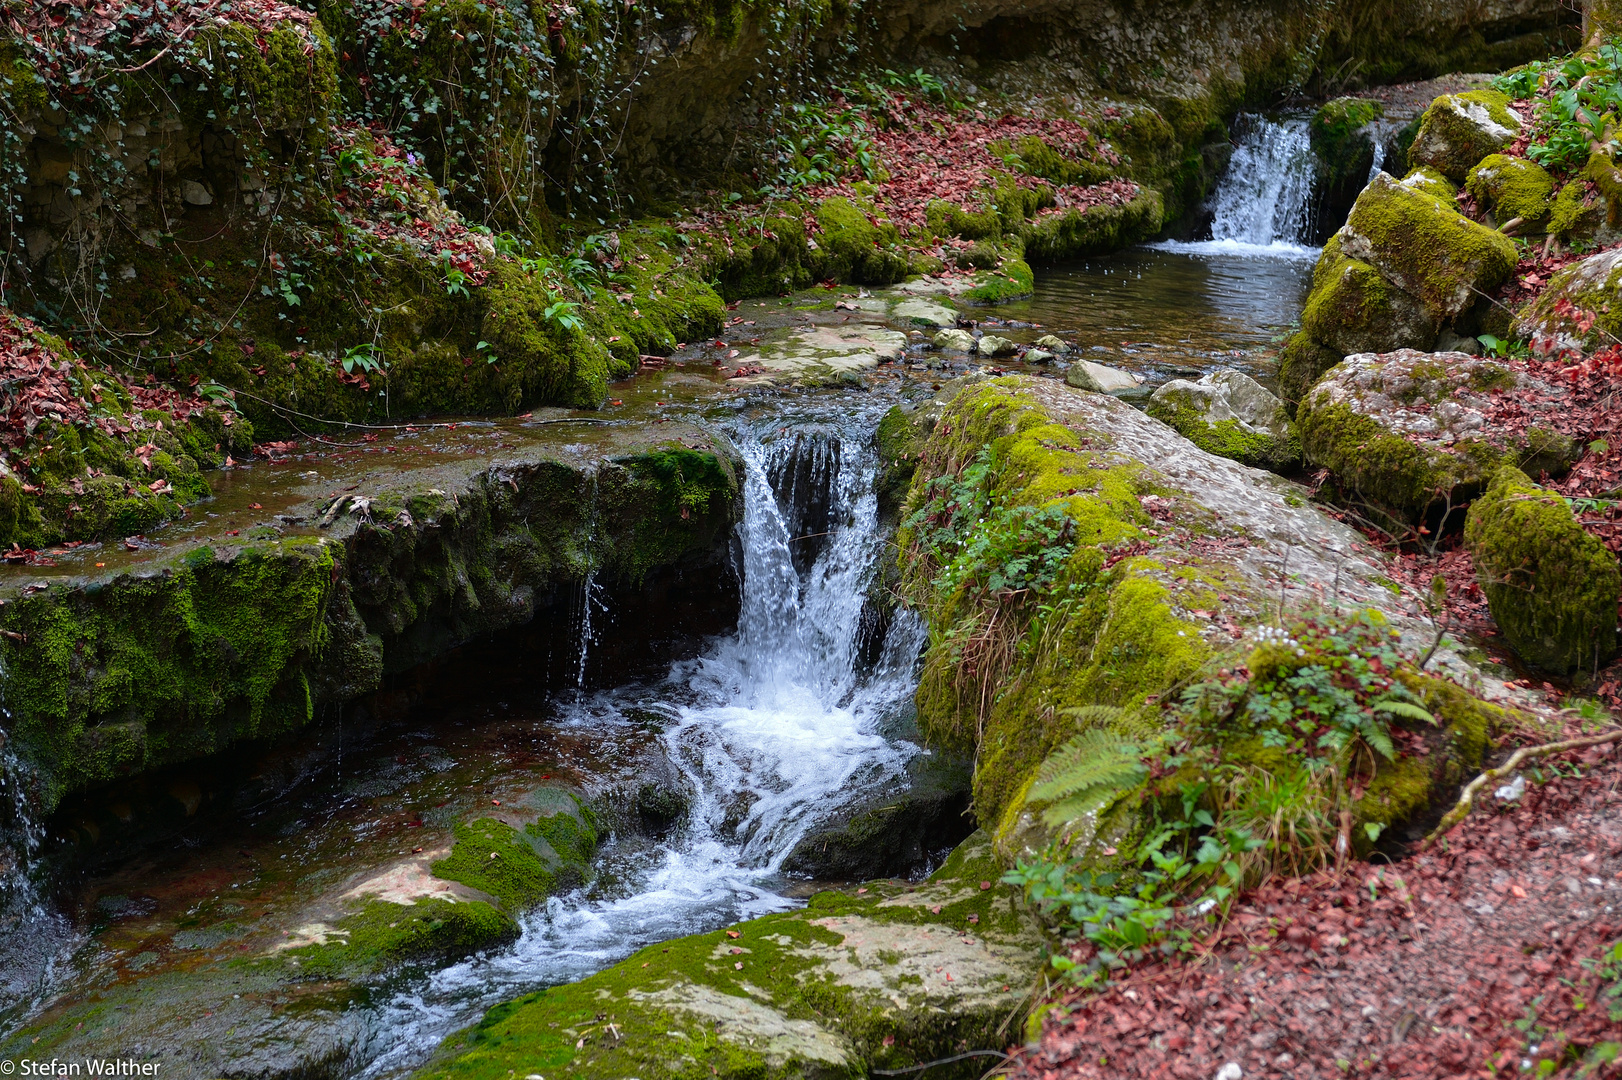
[764, 731]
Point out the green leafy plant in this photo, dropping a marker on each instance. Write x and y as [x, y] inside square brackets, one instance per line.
[367, 357]
[564, 313]
[1085, 772]
[1503, 347]
[1580, 99]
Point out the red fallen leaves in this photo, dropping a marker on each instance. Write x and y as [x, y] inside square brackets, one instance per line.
[37, 384]
[68, 38]
[387, 195]
[1423, 975]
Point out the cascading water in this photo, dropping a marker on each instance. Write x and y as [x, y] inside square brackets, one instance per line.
[1263, 203]
[769, 728]
[1265, 195]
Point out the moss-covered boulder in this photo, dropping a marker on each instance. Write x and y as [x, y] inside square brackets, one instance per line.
[1553, 588]
[1154, 553]
[1581, 308]
[889, 976]
[854, 246]
[1354, 308]
[1229, 414]
[1408, 431]
[1458, 130]
[1425, 246]
[1512, 188]
[1301, 363]
[1341, 139]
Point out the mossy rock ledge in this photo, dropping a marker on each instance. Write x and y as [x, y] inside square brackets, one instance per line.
[277, 996]
[1177, 551]
[1458, 130]
[1229, 414]
[1408, 431]
[172, 654]
[1552, 586]
[887, 976]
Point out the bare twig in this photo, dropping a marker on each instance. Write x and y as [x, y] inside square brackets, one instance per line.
[1462, 808]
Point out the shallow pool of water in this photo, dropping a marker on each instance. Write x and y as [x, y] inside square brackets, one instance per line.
[1170, 310]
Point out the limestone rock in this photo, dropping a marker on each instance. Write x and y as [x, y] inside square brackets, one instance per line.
[954, 341]
[1407, 430]
[1425, 246]
[1426, 179]
[195, 194]
[1512, 188]
[1458, 130]
[1229, 414]
[1354, 308]
[1552, 586]
[1593, 315]
[1300, 364]
[1055, 345]
[1039, 356]
[1086, 375]
[921, 312]
[992, 345]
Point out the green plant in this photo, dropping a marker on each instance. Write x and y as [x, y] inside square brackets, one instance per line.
[1318, 690]
[1581, 99]
[565, 313]
[1292, 813]
[1504, 347]
[1084, 772]
[367, 357]
[1155, 908]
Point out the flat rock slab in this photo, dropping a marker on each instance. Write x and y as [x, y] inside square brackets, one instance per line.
[821, 352]
[886, 976]
[924, 314]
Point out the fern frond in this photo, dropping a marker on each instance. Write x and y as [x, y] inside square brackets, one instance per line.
[1084, 771]
[1131, 724]
[1404, 708]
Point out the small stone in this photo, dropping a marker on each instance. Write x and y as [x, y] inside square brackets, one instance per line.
[954, 341]
[1086, 375]
[1052, 344]
[194, 193]
[1039, 356]
[992, 345]
[1230, 1071]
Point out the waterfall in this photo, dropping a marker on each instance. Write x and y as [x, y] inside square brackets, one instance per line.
[768, 728]
[1262, 205]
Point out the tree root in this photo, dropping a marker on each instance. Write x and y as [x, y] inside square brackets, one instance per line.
[1462, 808]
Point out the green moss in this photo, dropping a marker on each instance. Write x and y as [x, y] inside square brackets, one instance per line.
[1226, 438]
[1301, 363]
[949, 219]
[1340, 141]
[1458, 130]
[856, 248]
[824, 1024]
[1568, 209]
[516, 868]
[1354, 308]
[285, 79]
[1030, 155]
[1552, 586]
[145, 671]
[1426, 245]
[1110, 636]
[1381, 466]
[1513, 187]
[370, 941]
[1094, 229]
[1426, 179]
[1013, 279]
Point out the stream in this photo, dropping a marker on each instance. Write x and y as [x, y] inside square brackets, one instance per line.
[765, 731]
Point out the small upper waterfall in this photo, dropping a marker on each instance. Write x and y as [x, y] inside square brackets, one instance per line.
[1265, 196]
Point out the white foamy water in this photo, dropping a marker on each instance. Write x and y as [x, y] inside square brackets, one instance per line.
[771, 728]
[1262, 206]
